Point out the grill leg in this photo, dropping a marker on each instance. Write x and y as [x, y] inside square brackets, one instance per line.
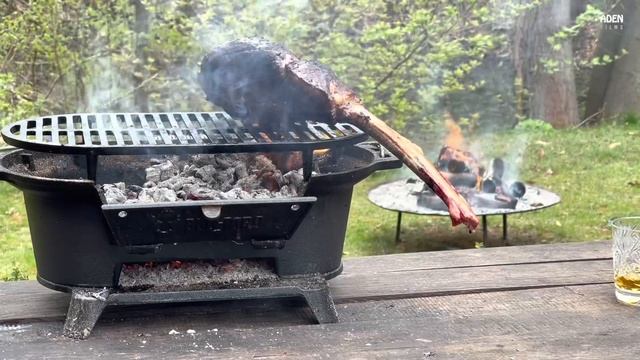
[505, 237]
[321, 304]
[85, 308]
[398, 224]
[485, 233]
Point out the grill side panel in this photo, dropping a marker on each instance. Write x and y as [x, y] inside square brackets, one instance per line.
[71, 241]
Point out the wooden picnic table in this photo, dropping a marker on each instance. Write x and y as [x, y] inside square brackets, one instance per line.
[537, 301]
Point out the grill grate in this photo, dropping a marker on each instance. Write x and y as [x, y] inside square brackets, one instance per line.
[145, 133]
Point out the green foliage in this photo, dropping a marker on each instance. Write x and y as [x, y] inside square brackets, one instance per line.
[591, 15]
[16, 274]
[631, 119]
[72, 55]
[534, 125]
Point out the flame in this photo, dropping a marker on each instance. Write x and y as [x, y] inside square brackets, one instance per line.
[454, 138]
[457, 149]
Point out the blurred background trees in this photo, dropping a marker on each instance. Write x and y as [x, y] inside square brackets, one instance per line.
[489, 63]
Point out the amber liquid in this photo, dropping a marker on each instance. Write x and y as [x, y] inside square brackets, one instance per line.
[628, 282]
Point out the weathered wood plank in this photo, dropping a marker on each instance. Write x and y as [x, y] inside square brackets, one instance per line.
[436, 282]
[479, 257]
[28, 300]
[562, 322]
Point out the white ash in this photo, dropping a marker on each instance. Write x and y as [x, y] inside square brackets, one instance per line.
[233, 273]
[208, 177]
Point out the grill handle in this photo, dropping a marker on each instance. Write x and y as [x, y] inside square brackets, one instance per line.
[383, 158]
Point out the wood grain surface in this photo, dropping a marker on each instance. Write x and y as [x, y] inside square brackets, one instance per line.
[538, 302]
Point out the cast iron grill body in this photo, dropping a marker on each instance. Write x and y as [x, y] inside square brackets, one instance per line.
[80, 242]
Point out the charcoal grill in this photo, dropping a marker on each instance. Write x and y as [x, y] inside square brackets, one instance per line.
[81, 244]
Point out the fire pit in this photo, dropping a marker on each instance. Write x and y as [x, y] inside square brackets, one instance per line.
[488, 189]
[404, 196]
[74, 170]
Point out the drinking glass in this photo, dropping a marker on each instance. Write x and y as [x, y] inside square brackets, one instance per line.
[626, 258]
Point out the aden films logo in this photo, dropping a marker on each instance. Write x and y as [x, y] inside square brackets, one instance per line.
[612, 21]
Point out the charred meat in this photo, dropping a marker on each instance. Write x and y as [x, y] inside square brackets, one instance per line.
[264, 83]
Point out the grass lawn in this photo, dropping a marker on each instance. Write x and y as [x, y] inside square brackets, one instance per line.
[596, 171]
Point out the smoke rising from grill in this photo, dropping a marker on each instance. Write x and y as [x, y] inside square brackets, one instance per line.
[174, 86]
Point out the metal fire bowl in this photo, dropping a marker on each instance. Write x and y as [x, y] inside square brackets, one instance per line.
[402, 196]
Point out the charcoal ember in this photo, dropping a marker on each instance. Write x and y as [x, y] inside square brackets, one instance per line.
[189, 170]
[236, 194]
[161, 171]
[285, 191]
[263, 164]
[206, 173]
[261, 194]
[146, 195]
[270, 181]
[200, 160]
[211, 177]
[240, 171]
[133, 191]
[200, 192]
[164, 195]
[250, 183]
[225, 177]
[134, 188]
[203, 194]
[153, 174]
[175, 183]
[229, 160]
[294, 177]
[181, 194]
[157, 194]
[115, 193]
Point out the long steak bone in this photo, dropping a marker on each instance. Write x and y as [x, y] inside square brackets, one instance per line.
[265, 84]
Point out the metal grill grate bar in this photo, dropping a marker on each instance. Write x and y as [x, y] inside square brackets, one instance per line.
[145, 133]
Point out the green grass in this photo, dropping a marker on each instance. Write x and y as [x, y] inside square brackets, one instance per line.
[596, 171]
[16, 254]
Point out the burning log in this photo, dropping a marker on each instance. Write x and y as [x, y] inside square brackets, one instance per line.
[266, 84]
[517, 189]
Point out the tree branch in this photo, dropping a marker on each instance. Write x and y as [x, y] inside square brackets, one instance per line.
[406, 58]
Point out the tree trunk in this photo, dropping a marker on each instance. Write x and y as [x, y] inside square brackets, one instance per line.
[623, 90]
[550, 95]
[608, 44]
[141, 28]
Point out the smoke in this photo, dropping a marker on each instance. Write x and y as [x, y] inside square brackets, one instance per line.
[108, 88]
[173, 85]
[159, 56]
